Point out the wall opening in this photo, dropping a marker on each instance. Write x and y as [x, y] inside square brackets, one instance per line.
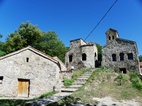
[70, 58]
[112, 37]
[109, 38]
[84, 57]
[130, 56]
[27, 59]
[121, 56]
[95, 54]
[123, 70]
[23, 87]
[113, 57]
[1, 79]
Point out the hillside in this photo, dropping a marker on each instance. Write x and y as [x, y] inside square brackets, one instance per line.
[104, 83]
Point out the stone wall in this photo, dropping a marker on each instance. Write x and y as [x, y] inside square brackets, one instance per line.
[78, 47]
[117, 47]
[42, 73]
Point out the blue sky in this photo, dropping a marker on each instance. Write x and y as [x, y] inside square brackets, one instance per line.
[72, 19]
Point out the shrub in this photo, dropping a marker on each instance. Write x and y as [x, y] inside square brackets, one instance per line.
[121, 79]
[136, 80]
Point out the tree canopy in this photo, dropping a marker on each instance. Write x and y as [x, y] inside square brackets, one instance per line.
[28, 34]
[140, 58]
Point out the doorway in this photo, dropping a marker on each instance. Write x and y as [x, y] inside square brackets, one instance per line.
[123, 70]
[23, 87]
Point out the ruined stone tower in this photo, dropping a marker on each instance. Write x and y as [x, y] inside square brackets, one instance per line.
[120, 54]
[81, 54]
[111, 34]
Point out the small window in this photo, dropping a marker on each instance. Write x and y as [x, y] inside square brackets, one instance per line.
[70, 58]
[113, 57]
[1, 79]
[83, 56]
[95, 54]
[112, 37]
[27, 59]
[130, 56]
[123, 70]
[121, 56]
[109, 38]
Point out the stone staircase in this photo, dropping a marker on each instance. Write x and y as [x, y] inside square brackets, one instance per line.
[65, 91]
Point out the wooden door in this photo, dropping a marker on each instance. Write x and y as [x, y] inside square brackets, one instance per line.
[23, 87]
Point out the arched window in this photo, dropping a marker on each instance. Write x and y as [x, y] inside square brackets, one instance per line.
[109, 38]
[70, 58]
[83, 56]
[121, 56]
[130, 56]
[112, 37]
[113, 57]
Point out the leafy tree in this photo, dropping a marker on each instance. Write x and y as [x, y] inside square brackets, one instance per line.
[0, 35]
[2, 47]
[52, 45]
[98, 63]
[140, 58]
[27, 34]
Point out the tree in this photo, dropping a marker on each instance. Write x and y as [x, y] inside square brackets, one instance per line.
[52, 45]
[0, 35]
[2, 44]
[140, 58]
[27, 34]
[98, 63]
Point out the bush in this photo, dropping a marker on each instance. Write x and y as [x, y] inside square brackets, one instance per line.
[68, 82]
[121, 79]
[136, 80]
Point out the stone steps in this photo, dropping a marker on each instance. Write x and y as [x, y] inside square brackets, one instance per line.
[65, 91]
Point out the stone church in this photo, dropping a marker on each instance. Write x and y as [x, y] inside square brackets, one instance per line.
[28, 73]
[81, 54]
[120, 54]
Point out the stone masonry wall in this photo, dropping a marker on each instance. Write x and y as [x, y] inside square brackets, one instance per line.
[116, 47]
[42, 73]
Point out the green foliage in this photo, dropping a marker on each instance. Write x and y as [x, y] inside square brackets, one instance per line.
[121, 79]
[136, 81]
[28, 34]
[2, 53]
[13, 102]
[98, 63]
[76, 74]
[1, 36]
[46, 94]
[140, 58]
[2, 49]
[68, 82]
[52, 45]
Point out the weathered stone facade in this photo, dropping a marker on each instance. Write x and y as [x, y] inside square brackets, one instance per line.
[28, 73]
[120, 54]
[81, 54]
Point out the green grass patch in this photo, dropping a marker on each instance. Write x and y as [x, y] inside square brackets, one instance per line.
[76, 74]
[105, 82]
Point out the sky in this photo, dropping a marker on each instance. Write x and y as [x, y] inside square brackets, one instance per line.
[73, 19]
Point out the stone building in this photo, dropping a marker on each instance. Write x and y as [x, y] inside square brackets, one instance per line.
[120, 54]
[28, 73]
[81, 54]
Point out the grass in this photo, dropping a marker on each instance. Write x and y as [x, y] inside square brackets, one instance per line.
[104, 82]
[76, 74]
[8, 102]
